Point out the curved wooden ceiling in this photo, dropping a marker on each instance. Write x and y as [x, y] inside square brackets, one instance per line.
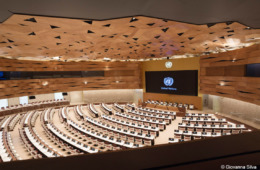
[131, 38]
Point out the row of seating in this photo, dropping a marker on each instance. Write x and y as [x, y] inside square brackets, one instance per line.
[187, 106]
[130, 106]
[201, 115]
[118, 108]
[71, 150]
[103, 125]
[40, 144]
[105, 109]
[111, 139]
[133, 124]
[7, 151]
[13, 122]
[71, 141]
[92, 110]
[167, 119]
[33, 118]
[46, 116]
[31, 106]
[5, 122]
[28, 145]
[79, 112]
[157, 111]
[200, 126]
[160, 124]
[216, 128]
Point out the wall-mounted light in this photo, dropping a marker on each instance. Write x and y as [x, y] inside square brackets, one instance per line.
[85, 82]
[45, 83]
[117, 81]
[233, 60]
[222, 83]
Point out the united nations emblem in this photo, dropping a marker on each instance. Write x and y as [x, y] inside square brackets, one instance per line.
[168, 81]
[168, 64]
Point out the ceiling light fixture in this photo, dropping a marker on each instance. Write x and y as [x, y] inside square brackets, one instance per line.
[45, 83]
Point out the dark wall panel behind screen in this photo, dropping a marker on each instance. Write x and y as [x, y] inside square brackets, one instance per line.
[172, 82]
[253, 70]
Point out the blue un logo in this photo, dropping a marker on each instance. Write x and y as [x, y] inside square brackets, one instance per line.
[168, 81]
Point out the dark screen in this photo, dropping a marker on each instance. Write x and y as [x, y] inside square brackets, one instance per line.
[253, 70]
[31, 97]
[172, 82]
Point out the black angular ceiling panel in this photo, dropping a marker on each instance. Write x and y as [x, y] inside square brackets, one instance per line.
[53, 26]
[165, 29]
[89, 22]
[90, 32]
[210, 25]
[157, 37]
[151, 24]
[32, 33]
[31, 20]
[107, 25]
[180, 34]
[58, 37]
[229, 22]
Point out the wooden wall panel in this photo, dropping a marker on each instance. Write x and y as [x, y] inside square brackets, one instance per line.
[224, 74]
[15, 88]
[24, 65]
[118, 75]
[196, 101]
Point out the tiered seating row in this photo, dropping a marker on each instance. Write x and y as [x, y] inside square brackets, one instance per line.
[156, 111]
[70, 140]
[133, 125]
[5, 122]
[118, 108]
[7, 152]
[104, 108]
[201, 115]
[160, 124]
[167, 119]
[39, 144]
[99, 136]
[93, 111]
[13, 122]
[32, 106]
[231, 128]
[199, 120]
[190, 106]
[112, 128]
[78, 111]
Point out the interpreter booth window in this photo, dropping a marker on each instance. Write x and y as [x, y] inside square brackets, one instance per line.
[3, 103]
[58, 96]
[24, 100]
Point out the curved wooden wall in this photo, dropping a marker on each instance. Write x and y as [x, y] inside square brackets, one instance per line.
[223, 74]
[118, 75]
